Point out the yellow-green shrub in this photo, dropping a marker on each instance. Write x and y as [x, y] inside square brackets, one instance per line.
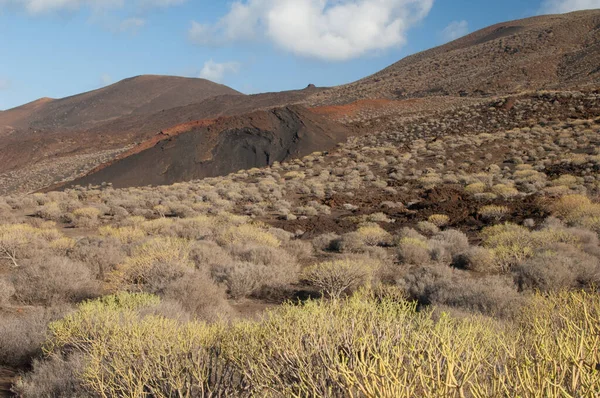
[364, 346]
[493, 212]
[373, 234]
[123, 234]
[477, 187]
[439, 220]
[248, 233]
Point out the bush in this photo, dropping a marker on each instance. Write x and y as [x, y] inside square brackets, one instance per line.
[563, 267]
[198, 295]
[242, 278]
[207, 255]
[54, 377]
[505, 191]
[492, 295]
[427, 228]
[86, 217]
[413, 251]
[22, 335]
[493, 212]
[454, 241]
[155, 262]
[330, 348]
[335, 278]
[439, 220]
[50, 211]
[100, 255]
[373, 235]
[53, 280]
[325, 242]
[477, 259]
[248, 233]
[300, 249]
[156, 277]
[7, 290]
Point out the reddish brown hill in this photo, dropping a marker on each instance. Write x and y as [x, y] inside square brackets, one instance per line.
[224, 146]
[141, 95]
[552, 51]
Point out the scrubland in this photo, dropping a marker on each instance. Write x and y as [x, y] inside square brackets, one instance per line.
[450, 255]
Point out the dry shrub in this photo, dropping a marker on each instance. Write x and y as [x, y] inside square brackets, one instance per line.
[50, 211]
[54, 377]
[477, 259]
[53, 280]
[351, 242]
[152, 258]
[7, 290]
[278, 260]
[157, 276]
[198, 295]
[100, 255]
[335, 278]
[169, 309]
[22, 241]
[207, 254]
[454, 241]
[22, 335]
[427, 227]
[242, 278]
[86, 217]
[299, 248]
[413, 251]
[490, 295]
[325, 241]
[562, 267]
[578, 210]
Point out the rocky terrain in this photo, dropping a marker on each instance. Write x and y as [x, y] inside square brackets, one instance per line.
[545, 52]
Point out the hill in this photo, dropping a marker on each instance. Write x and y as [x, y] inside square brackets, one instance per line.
[545, 52]
[134, 96]
[51, 141]
[222, 146]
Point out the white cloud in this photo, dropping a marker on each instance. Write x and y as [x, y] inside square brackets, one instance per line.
[454, 30]
[326, 29]
[216, 71]
[105, 80]
[563, 6]
[4, 84]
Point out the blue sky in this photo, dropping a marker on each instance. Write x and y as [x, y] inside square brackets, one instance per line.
[56, 48]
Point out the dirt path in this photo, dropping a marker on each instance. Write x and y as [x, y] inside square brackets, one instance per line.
[7, 377]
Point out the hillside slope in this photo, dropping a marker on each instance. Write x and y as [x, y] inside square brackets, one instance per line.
[137, 95]
[229, 144]
[552, 51]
